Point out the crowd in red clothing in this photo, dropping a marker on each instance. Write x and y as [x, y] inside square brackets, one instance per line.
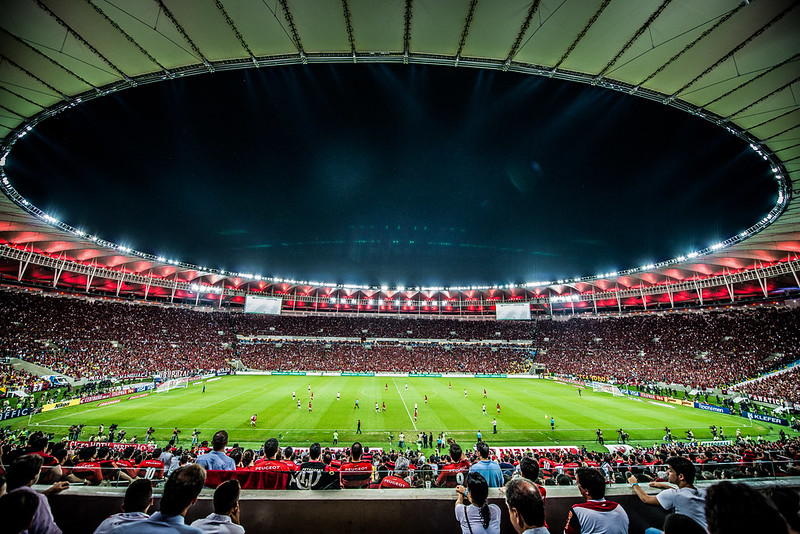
[98, 338]
[779, 387]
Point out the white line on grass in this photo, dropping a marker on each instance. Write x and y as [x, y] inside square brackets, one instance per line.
[232, 396]
[404, 404]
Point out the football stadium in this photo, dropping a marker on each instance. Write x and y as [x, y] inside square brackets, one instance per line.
[370, 266]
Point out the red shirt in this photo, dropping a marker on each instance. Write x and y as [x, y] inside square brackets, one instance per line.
[89, 471]
[268, 474]
[151, 469]
[356, 474]
[454, 474]
[392, 481]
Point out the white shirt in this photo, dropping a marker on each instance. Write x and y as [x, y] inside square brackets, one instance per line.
[473, 514]
[112, 522]
[218, 524]
[686, 501]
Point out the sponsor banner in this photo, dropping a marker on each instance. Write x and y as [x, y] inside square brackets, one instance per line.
[110, 445]
[62, 404]
[499, 451]
[571, 381]
[766, 418]
[110, 402]
[355, 374]
[661, 398]
[712, 408]
[681, 402]
[482, 375]
[93, 398]
[646, 395]
[431, 375]
[222, 373]
[629, 392]
[717, 443]
[288, 373]
[138, 396]
[11, 414]
[121, 392]
[143, 387]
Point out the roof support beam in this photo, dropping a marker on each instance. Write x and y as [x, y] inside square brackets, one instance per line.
[293, 30]
[465, 30]
[91, 275]
[407, 15]
[119, 282]
[59, 268]
[236, 31]
[584, 31]
[185, 35]
[521, 33]
[348, 22]
[751, 80]
[24, 265]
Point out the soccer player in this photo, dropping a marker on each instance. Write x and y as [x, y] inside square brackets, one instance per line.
[298, 405]
[356, 406]
[465, 393]
[415, 406]
[484, 409]
[552, 424]
[338, 396]
[386, 386]
[204, 388]
[494, 426]
[384, 407]
[450, 385]
[335, 437]
[293, 395]
[406, 386]
[484, 393]
[498, 407]
[253, 419]
[426, 399]
[376, 406]
[415, 415]
[309, 406]
[358, 428]
[309, 388]
[312, 395]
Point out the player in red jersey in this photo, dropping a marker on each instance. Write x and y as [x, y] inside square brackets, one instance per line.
[384, 407]
[309, 406]
[356, 473]
[454, 473]
[269, 472]
[498, 407]
[426, 399]
[253, 419]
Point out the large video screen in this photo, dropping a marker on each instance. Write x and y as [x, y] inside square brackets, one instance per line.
[513, 311]
[267, 305]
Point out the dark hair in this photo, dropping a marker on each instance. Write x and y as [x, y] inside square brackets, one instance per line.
[738, 508]
[478, 492]
[314, 451]
[182, 487]
[287, 452]
[356, 451]
[226, 496]
[327, 458]
[271, 447]
[17, 510]
[455, 452]
[523, 495]
[137, 496]
[592, 481]
[219, 440]
[563, 480]
[784, 499]
[87, 453]
[529, 468]
[682, 524]
[483, 449]
[683, 466]
[103, 451]
[23, 470]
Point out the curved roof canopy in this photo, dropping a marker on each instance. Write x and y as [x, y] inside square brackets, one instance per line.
[736, 64]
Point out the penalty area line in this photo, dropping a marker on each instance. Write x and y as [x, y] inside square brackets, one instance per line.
[404, 404]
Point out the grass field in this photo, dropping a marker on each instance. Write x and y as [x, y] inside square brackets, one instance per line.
[526, 408]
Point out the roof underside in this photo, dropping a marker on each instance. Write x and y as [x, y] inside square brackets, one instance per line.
[736, 63]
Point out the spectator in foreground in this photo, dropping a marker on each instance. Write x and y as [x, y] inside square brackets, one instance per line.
[24, 473]
[18, 510]
[138, 500]
[739, 509]
[525, 506]
[180, 493]
[680, 524]
[685, 500]
[225, 518]
[216, 459]
[488, 469]
[596, 514]
[479, 517]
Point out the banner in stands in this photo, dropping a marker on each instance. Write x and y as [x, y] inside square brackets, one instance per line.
[766, 418]
[630, 392]
[288, 373]
[712, 408]
[513, 311]
[62, 404]
[483, 375]
[344, 373]
[651, 396]
[681, 402]
[11, 414]
[430, 375]
[500, 451]
[111, 445]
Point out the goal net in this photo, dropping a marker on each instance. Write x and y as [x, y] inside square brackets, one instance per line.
[168, 385]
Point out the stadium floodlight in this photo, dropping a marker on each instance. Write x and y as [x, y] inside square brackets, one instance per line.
[693, 254]
[717, 246]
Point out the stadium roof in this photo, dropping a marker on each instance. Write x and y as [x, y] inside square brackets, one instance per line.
[736, 64]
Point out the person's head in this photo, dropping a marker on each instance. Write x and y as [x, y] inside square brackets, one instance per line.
[740, 509]
[219, 441]
[478, 492]
[591, 483]
[455, 452]
[314, 451]
[226, 498]
[525, 504]
[24, 471]
[680, 471]
[787, 503]
[401, 466]
[529, 468]
[288, 452]
[17, 510]
[563, 480]
[182, 488]
[356, 451]
[483, 450]
[682, 524]
[87, 453]
[138, 496]
[271, 447]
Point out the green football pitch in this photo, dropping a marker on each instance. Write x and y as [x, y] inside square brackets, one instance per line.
[524, 419]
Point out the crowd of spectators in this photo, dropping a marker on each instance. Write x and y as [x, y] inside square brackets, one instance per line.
[778, 388]
[357, 467]
[96, 338]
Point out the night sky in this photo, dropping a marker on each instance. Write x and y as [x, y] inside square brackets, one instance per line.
[392, 174]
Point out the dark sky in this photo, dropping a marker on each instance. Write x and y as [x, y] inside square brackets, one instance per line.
[393, 174]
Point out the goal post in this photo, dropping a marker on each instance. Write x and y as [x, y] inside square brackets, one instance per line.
[174, 383]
